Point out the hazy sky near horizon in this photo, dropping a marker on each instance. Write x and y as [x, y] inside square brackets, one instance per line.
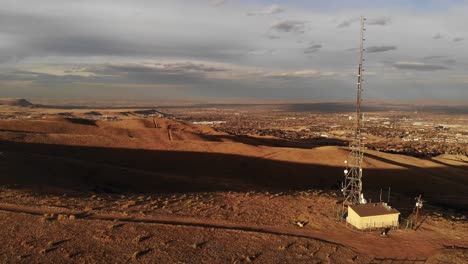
[211, 50]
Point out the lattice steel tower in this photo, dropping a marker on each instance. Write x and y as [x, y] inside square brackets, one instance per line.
[352, 185]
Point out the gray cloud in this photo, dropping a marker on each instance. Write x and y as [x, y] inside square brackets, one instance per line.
[41, 34]
[347, 23]
[374, 49]
[217, 2]
[437, 36]
[458, 39]
[43, 78]
[312, 48]
[85, 45]
[270, 36]
[418, 66]
[440, 59]
[434, 57]
[352, 49]
[260, 52]
[289, 75]
[187, 73]
[344, 24]
[268, 11]
[178, 70]
[450, 61]
[382, 21]
[156, 81]
[129, 73]
[295, 26]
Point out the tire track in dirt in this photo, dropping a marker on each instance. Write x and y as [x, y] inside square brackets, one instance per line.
[174, 221]
[365, 243]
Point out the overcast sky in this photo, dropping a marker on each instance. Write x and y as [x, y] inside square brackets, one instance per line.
[211, 50]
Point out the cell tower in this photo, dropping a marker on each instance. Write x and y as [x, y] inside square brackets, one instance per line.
[352, 185]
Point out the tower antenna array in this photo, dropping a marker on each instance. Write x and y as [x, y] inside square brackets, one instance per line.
[352, 185]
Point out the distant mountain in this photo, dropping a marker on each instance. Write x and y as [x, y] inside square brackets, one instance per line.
[15, 102]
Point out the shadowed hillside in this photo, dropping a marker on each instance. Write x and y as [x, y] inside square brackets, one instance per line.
[141, 156]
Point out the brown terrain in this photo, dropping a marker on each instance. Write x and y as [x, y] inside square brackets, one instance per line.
[76, 189]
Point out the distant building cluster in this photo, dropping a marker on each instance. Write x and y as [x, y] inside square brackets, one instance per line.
[415, 134]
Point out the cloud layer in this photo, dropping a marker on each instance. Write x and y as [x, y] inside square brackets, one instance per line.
[373, 49]
[290, 26]
[268, 11]
[230, 49]
[417, 66]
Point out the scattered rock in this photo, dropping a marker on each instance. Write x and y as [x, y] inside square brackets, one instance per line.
[57, 243]
[73, 254]
[62, 217]
[47, 250]
[140, 253]
[28, 243]
[249, 259]
[114, 226]
[24, 256]
[199, 245]
[301, 223]
[141, 238]
[129, 204]
[50, 217]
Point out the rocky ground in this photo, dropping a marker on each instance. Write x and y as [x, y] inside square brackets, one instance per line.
[223, 227]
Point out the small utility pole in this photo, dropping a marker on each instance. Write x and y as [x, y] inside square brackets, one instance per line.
[388, 194]
[418, 206]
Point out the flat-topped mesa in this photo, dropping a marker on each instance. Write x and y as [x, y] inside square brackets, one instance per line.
[15, 102]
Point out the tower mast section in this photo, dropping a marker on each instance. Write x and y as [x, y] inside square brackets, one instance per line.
[352, 186]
